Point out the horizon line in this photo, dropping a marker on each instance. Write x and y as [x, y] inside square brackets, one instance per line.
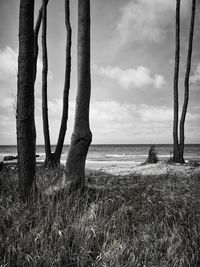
[105, 144]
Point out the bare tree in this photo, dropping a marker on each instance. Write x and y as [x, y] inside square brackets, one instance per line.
[187, 77]
[44, 85]
[53, 159]
[82, 136]
[26, 134]
[175, 89]
[36, 48]
[63, 126]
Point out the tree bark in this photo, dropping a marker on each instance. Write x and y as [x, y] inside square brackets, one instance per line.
[44, 85]
[187, 77]
[175, 90]
[82, 136]
[63, 126]
[26, 134]
[36, 48]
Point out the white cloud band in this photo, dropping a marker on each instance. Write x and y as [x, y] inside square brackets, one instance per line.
[139, 77]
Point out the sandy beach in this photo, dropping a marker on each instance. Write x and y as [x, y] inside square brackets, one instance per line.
[126, 168]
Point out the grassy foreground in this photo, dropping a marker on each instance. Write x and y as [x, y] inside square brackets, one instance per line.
[124, 221]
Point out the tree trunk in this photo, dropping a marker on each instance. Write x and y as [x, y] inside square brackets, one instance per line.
[36, 48]
[176, 77]
[26, 134]
[82, 136]
[44, 85]
[187, 76]
[63, 127]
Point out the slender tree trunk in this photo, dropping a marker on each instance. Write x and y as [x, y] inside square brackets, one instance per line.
[82, 136]
[176, 78]
[26, 134]
[187, 76]
[44, 85]
[36, 48]
[63, 127]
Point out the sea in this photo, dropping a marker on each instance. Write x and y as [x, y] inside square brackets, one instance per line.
[114, 154]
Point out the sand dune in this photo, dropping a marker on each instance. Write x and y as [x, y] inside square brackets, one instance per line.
[161, 168]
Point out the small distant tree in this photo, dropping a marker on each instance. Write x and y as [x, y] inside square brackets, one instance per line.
[26, 135]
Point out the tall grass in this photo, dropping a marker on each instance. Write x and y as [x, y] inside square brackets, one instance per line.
[127, 221]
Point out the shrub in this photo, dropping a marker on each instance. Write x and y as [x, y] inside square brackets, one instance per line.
[152, 157]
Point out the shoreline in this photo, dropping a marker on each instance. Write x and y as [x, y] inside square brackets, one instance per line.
[132, 168]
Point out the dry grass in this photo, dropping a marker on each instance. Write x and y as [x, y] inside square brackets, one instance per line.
[127, 221]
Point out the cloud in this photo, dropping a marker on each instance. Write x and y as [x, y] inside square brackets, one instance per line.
[148, 20]
[127, 123]
[8, 103]
[110, 121]
[195, 78]
[155, 114]
[139, 77]
[8, 63]
[9, 66]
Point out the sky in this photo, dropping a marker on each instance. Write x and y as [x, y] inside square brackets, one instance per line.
[132, 68]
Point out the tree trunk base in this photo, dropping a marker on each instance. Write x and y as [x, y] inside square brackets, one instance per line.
[75, 165]
[178, 160]
[30, 195]
[178, 155]
[51, 162]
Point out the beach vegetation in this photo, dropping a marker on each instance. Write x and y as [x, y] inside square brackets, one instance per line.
[152, 155]
[118, 221]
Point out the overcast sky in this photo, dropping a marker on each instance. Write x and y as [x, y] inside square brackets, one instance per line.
[132, 64]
